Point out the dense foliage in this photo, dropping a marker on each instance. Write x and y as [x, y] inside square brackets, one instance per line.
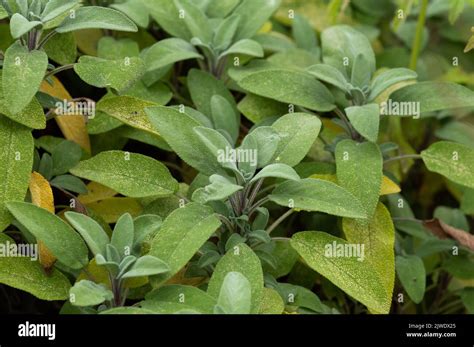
[236, 156]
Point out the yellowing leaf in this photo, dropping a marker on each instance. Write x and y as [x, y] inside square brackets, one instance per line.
[325, 177]
[266, 28]
[389, 187]
[272, 302]
[378, 237]
[181, 278]
[42, 196]
[41, 193]
[88, 39]
[111, 209]
[73, 127]
[470, 43]
[357, 278]
[96, 192]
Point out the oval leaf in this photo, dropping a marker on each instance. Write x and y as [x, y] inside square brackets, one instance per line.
[59, 237]
[291, 87]
[452, 160]
[356, 278]
[130, 174]
[318, 195]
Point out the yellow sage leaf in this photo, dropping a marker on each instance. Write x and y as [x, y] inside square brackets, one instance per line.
[42, 196]
[73, 127]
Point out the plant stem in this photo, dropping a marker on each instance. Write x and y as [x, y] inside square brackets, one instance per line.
[46, 38]
[267, 189]
[255, 191]
[279, 220]
[257, 205]
[227, 222]
[415, 51]
[281, 238]
[402, 157]
[348, 124]
[58, 70]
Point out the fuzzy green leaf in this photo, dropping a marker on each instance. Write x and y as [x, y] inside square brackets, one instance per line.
[235, 295]
[304, 34]
[359, 170]
[97, 17]
[329, 74]
[291, 87]
[136, 10]
[19, 25]
[254, 14]
[88, 293]
[365, 119]
[91, 231]
[177, 298]
[195, 20]
[203, 86]
[388, 78]
[63, 242]
[169, 51]
[118, 74]
[175, 126]
[23, 72]
[147, 265]
[181, 235]
[27, 275]
[277, 170]
[452, 160]
[297, 132]
[16, 161]
[31, 116]
[166, 14]
[219, 189]
[435, 96]
[341, 42]
[122, 237]
[247, 47]
[265, 142]
[318, 195]
[225, 32]
[62, 48]
[239, 259]
[225, 117]
[55, 8]
[412, 274]
[130, 174]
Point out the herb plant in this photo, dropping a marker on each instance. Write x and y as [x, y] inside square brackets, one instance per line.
[237, 156]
